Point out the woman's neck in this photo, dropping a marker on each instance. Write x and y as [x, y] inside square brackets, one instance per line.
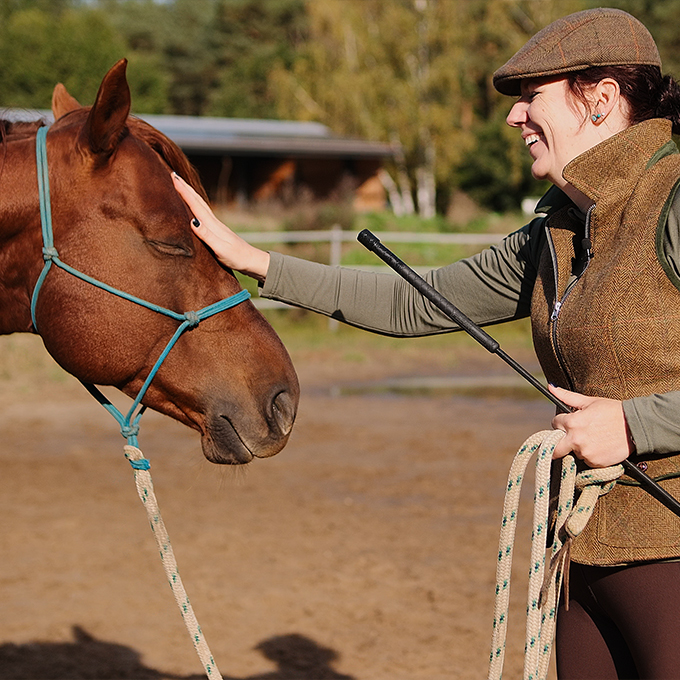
[581, 201]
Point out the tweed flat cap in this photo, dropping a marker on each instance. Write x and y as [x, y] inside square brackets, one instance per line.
[594, 37]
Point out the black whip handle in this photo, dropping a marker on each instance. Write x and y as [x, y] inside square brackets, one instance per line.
[372, 242]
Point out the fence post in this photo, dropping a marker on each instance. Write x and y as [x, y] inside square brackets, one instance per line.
[335, 259]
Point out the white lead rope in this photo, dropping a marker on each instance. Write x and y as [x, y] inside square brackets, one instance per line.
[148, 497]
[571, 518]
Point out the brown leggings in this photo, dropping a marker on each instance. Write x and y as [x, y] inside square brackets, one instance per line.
[623, 622]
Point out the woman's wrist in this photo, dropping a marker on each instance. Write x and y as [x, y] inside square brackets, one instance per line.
[258, 264]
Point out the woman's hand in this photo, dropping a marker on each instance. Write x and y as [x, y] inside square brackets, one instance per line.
[229, 248]
[596, 432]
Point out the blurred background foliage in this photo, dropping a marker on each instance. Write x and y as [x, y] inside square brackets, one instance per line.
[413, 72]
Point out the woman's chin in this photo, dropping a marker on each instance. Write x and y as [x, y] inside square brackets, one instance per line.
[540, 173]
[537, 174]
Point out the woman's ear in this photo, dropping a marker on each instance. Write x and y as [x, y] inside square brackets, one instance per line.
[605, 98]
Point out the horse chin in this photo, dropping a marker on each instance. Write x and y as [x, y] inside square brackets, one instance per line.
[225, 449]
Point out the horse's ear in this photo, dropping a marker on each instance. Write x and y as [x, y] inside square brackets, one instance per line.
[62, 102]
[106, 124]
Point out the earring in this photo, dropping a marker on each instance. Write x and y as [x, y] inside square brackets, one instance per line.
[596, 116]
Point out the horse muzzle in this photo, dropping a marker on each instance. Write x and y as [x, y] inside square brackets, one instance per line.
[234, 434]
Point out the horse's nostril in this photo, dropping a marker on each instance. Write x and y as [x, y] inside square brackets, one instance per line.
[283, 410]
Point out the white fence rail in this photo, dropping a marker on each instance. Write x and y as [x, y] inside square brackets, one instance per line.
[336, 237]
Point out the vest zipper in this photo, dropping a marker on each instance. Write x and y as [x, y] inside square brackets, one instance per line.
[558, 303]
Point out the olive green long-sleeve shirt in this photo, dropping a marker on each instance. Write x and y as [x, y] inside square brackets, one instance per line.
[491, 287]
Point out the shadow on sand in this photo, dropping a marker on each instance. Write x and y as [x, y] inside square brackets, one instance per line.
[86, 658]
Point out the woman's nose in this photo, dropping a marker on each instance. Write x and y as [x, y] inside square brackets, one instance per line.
[517, 115]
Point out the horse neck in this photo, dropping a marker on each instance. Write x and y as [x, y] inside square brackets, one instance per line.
[20, 235]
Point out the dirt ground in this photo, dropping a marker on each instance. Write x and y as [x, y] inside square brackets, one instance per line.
[365, 550]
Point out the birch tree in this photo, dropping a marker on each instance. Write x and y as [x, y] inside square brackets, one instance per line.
[414, 73]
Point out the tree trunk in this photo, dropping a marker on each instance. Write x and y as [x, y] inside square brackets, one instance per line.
[403, 181]
[425, 177]
[393, 192]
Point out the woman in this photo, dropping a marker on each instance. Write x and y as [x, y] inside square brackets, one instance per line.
[599, 274]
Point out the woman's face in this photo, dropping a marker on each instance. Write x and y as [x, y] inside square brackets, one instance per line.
[555, 126]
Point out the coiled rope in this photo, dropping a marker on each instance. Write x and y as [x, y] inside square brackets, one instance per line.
[572, 516]
[144, 485]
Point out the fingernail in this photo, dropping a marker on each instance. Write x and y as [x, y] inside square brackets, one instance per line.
[195, 223]
[176, 176]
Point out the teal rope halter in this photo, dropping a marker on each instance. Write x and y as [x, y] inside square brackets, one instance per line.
[129, 423]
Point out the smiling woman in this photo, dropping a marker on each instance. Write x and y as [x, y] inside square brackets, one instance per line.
[598, 272]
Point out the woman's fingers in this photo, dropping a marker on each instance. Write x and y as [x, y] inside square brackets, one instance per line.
[596, 431]
[196, 204]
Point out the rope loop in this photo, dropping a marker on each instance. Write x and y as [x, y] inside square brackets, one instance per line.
[578, 494]
[192, 318]
[49, 254]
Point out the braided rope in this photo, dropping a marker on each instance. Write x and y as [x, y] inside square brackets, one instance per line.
[148, 497]
[571, 518]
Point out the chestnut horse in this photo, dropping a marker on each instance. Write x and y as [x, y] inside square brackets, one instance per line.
[118, 219]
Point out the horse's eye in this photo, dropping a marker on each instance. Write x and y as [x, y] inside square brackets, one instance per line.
[170, 248]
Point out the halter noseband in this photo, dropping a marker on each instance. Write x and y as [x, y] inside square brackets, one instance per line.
[129, 423]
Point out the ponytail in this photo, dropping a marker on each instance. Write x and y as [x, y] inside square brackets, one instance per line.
[669, 102]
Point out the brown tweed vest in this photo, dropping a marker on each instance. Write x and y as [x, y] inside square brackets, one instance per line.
[617, 333]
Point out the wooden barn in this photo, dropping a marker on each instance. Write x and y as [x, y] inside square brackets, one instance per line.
[245, 163]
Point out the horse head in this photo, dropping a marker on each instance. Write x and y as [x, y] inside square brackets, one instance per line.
[117, 218]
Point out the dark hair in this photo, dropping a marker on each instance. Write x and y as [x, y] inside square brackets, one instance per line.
[648, 93]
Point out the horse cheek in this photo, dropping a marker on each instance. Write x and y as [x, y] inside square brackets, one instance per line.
[81, 328]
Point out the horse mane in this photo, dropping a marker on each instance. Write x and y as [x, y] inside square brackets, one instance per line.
[168, 151]
[10, 128]
[164, 147]
[18, 128]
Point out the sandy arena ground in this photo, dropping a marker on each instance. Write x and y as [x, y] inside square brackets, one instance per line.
[365, 550]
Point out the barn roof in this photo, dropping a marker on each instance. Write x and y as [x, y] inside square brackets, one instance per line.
[244, 136]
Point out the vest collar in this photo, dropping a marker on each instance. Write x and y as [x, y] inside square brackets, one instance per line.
[617, 163]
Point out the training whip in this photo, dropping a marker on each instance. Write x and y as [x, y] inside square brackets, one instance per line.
[372, 242]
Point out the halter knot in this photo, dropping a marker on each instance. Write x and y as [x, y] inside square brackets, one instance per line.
[129, 431]
[192, 318]
[49, 253]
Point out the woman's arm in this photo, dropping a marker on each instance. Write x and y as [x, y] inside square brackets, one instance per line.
[491, 287]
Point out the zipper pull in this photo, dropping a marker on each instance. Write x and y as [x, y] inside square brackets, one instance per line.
[556, 311]
[587, 245]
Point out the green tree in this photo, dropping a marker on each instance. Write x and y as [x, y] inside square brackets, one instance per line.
[385, 70]
[248, 37]
[144, 26]
[39, 49]
[168, 45]
[418, 73]
[206, 57]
